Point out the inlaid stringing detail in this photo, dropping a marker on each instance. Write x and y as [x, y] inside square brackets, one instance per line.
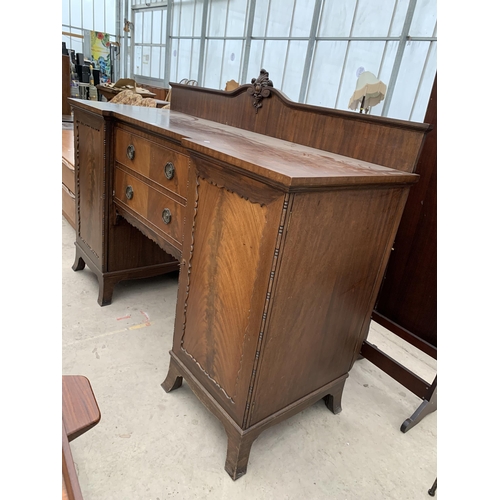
[77, 182]
[279, 242]
[189, 264]
[77, 176]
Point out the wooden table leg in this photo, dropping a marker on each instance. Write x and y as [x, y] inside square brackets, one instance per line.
[428, 405]
[432, 490]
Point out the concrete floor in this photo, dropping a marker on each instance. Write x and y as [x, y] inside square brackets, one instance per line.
[150, 445]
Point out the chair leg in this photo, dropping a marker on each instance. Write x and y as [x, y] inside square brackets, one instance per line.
[432, 491]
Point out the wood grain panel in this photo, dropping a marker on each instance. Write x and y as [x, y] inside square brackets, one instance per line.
[224, 270]
[326, 287]
[90, 182]
[384, 141]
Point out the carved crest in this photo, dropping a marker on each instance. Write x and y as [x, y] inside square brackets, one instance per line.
[260, 90]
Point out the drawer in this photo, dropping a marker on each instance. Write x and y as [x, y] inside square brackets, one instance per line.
[159, 210]
[163, 165]
[68, 175]
[68, 205]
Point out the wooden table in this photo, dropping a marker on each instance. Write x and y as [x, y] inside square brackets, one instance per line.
[79, 414]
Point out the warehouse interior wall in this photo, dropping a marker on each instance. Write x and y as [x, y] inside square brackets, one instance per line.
[314, 50]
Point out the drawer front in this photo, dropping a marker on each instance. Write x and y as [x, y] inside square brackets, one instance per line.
[163, 165]
[68, 205]
[132, 192]
[68, 175]
[166, 214]
[159, 210]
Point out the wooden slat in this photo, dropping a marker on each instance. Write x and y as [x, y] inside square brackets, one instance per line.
[396, 370]
[405, 334]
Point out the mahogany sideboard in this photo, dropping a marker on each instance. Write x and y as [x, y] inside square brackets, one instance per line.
[282, 216]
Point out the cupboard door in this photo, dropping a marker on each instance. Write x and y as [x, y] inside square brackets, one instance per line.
[90, 185]
[229, 244]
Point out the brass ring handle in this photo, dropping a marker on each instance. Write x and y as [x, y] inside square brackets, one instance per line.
[166, 215]
[169, 170]
[129, 192]
[130, 151]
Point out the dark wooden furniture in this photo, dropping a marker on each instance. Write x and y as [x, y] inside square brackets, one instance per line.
[68, 176]
[407, 302]
[66, 87]
[283, 223]
[80, 413]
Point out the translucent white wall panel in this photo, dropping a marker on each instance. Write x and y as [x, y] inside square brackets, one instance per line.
[88, 14]
[408, 80]
[361, 55]
[65, 13]
[156, 26]
[236, 18]
[137, 33]
[336, 18]
[385, 71]
[273, 62]
[163, 58]
[138, 60]
[187, 15]
[197, 17]
[217, 17]
[176, 19]
[194, 60]
[279, 19]
[76, 13]
[110, 16]
[294, 69]
[424, 18]
[147, 28]
[255, 60]
[231, 63]
[213, 63]
[260, 18]
[399, 17]
[424, 91]
[173, 62]
[325, 73]
[184, 59]
[146, 61]
[302, 18]
[156, 63]
[373, 18]
[99, 23]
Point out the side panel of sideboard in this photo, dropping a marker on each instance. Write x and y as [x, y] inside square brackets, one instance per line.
[326, 286]
[92, 139]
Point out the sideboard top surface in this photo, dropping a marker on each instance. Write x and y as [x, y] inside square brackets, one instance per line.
[284, 163]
